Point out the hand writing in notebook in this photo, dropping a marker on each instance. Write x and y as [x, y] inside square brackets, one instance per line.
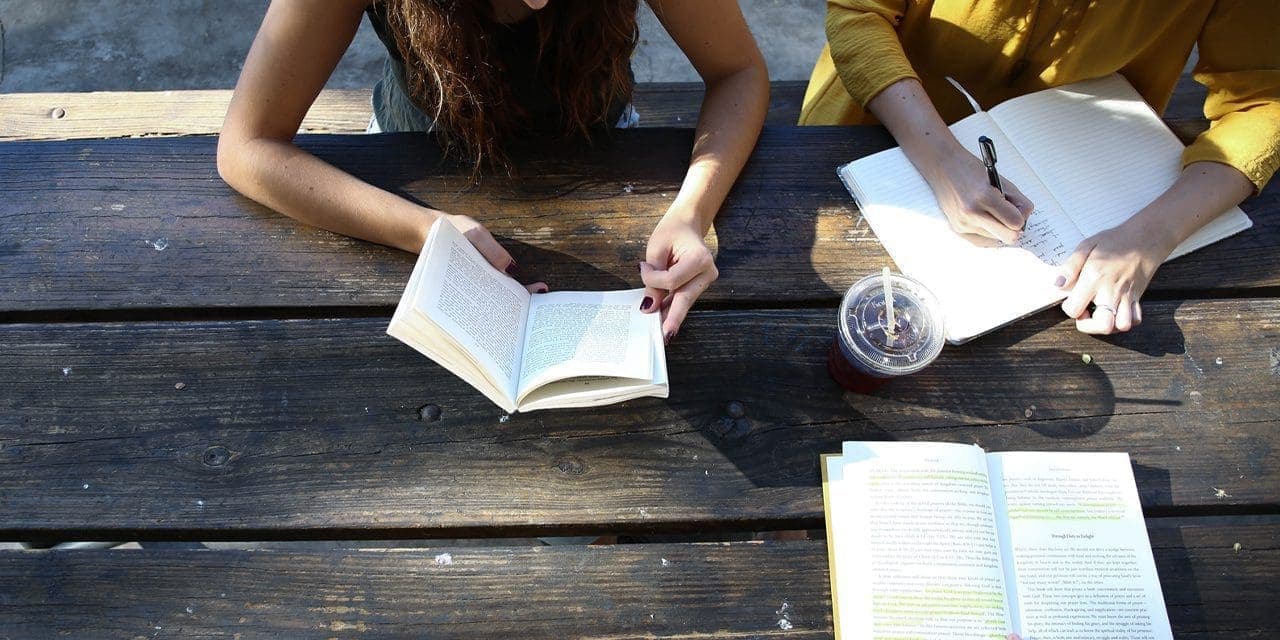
[959, 180]
[1108, 273]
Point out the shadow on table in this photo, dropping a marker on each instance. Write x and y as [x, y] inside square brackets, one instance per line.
[1158, 335]
[774, 412]
[778, 418]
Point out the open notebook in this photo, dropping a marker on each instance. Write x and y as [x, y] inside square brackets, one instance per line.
[945, 541]
[1089, 155]
[523, 351]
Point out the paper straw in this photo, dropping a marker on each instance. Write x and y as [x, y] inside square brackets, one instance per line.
[888, 300]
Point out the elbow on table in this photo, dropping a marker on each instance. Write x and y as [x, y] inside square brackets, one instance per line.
[230, 158]
[749, 78]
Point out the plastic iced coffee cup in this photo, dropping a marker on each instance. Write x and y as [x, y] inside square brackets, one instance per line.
[868, 352]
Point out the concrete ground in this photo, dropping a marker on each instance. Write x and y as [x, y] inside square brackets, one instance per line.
[146, 45]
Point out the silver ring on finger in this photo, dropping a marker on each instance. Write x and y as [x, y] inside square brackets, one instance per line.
[1104, 307]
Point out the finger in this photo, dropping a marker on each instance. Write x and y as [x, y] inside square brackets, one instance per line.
[1082, 293]
[1124, 314]
[483, 241]
[652, 295]
[675, 277]
[1004, 211]
[1137, 313]
[1016, 198]
[989, 226]
[1102, 321]
[1069, 272]
[681, 301]
[537, 287]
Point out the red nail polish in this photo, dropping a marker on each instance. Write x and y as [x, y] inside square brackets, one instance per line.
[646, 303]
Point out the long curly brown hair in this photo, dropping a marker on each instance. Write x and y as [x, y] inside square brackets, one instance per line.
[455, 75]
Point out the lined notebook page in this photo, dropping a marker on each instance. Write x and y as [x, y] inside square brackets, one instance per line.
[1103, 153]
[980, 288]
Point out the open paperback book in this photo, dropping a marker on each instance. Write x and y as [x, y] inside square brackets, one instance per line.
[1089, 155]
[523, 351]
[937, 540]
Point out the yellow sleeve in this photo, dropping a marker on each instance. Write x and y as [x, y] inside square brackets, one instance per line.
[865, 47]
[1240, 64]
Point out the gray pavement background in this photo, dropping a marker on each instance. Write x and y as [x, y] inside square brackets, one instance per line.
[150, 45]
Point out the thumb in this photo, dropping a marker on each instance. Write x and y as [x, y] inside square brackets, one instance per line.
[1069, 272]
[652, 295]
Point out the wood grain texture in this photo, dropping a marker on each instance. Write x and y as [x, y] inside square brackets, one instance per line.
[147, 223]
[116, 114]
[124, 114]
[739, 590]
[310, 428]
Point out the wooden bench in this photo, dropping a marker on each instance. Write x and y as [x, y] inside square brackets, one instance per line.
[182, 364]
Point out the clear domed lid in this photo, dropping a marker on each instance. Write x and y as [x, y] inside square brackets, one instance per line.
[911, 344]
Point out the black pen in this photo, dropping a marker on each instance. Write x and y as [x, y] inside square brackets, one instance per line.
[989, 159]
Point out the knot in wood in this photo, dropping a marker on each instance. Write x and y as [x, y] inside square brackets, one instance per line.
[572, 466]
[730, 428]
[215, 456]
[735, 410]
[58, 113]
[429, 412]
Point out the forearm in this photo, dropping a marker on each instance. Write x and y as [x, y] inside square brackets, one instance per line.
[729, 124]
[906, 111]
[289, 180]
[1202, 192]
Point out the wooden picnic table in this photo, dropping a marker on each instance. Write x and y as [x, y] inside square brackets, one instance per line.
[178, 363]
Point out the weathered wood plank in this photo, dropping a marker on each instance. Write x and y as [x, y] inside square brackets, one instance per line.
[113, 114]
[653, 590]
[147, 223]
[117, 114]
[122, 114]
[310, 427]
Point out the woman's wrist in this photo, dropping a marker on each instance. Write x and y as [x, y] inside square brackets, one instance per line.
[1159, 236]
[424, 219]
[936, 155]
[689, 215]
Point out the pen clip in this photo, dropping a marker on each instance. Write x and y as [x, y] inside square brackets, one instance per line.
[988, 151]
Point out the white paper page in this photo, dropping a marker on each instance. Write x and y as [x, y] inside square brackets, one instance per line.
[417, 330]
[1076, 546]
[836, 497]
[917, 550]
[479, 306]
[586, 333]
[594, 391]
[1102, 151]
[979, 287]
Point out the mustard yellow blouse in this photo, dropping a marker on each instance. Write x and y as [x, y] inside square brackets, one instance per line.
[999, 49]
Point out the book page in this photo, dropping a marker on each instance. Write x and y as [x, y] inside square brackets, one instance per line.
[1102, 151]
[914, 534]
[979, 287]
[482, 308]
[578, 333]
[415, 329]
[592, 391]
[1075, 547]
